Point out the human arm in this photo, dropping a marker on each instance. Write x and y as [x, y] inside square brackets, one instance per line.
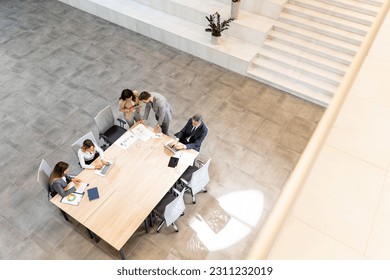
[57, 187]
[101, 154]
[185, 131]
[197, 139]
[146, 113]
[80, 155]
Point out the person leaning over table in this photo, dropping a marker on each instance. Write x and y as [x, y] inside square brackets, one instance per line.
[127, 102]
[59, 180]
[88, 152]
[192, 134]
[162, 109]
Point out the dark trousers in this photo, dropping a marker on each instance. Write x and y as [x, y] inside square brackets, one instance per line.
[90, 161]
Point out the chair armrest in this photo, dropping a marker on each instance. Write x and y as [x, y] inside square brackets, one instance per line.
[184, 181]
[121, 122]
[176, 191]
[199, 162]
[105, 138]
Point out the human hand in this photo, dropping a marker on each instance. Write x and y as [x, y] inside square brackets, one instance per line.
[76, 180]
[157, 129]
[141, 121]
[180, 146]
[98, 166]
[105, 162]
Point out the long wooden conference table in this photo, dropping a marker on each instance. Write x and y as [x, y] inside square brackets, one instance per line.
[138, 180]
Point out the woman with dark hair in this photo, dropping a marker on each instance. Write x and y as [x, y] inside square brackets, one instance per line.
[130, 106]
[88, 152]
[59, 180]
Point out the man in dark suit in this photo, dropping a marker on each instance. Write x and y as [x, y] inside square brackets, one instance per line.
[192, 134]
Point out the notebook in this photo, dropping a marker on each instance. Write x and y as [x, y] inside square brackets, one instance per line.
[93, 193]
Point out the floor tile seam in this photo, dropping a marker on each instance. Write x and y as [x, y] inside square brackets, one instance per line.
[375, 215]
[324, 233]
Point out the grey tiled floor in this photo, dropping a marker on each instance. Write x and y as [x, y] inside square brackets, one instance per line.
[61, 66]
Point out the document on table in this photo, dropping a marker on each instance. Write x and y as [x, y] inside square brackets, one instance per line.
[142, 132]
[187, 158]
[80, 188]
[72, 199]
[126, 140]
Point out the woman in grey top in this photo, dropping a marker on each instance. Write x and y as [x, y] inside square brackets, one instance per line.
[60, 180]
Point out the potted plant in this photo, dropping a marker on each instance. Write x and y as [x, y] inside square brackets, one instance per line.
[235, 8]
[216, 27]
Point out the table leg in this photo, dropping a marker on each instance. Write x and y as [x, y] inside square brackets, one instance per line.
[122, 254]
[90, 234]
[65, 216]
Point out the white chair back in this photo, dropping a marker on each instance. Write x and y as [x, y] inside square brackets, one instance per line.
[77, 145]
[43, 176]
[105, 120]
[200, 178]
[175, 209]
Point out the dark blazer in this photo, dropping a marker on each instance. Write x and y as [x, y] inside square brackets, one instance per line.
[196, 138]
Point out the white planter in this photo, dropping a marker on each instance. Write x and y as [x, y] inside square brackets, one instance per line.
[235, 8]
[215, 40]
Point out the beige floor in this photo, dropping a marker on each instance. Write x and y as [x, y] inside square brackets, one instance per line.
[343, 211]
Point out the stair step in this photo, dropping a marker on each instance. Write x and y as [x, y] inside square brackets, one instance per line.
[292, 87]
[296, 75]
[337, 12]
[294, 63]
[353, 5]
[311, 47]
[321, 28]
[309, 58]
[327, 19]
[376, 3]
[322, 40]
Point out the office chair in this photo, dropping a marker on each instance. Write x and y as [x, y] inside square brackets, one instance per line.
[108, 130]
[195, 179]
[169, 209]
[77, 145]
[43, 177]
[44, 172]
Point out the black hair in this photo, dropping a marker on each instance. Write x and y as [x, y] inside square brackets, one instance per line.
[127, 93]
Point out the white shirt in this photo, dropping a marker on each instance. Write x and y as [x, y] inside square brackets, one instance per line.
[85, 156]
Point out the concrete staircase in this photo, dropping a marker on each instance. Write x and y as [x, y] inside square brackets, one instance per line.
[311, 46]
[181, 24]
[303, 47]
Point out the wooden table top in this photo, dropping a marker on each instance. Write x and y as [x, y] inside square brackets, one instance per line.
[138, 180]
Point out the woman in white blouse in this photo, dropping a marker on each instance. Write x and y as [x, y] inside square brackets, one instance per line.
[88, 152]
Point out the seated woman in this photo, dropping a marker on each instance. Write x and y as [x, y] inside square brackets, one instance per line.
[127, 105]
[88, 152]
[59, 180]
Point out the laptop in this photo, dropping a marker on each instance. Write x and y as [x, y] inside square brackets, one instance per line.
[103, 172]
[172, 149]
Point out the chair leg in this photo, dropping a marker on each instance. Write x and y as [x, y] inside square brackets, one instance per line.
[175, 227]
[146, 225]
[193, 197]
[65, 216]
[160, 225]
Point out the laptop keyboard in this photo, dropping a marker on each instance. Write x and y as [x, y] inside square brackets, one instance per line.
[105, 169]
